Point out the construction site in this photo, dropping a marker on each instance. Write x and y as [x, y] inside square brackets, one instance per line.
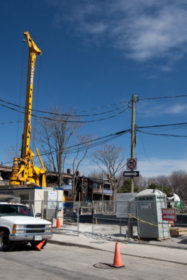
[93, 160]
[37, 187]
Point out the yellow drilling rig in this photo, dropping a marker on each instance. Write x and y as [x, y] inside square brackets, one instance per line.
[24, 171]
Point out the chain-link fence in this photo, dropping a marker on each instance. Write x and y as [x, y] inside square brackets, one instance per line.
[109, 219]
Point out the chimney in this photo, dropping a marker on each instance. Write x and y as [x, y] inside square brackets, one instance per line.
[69, 171]
[77, 173]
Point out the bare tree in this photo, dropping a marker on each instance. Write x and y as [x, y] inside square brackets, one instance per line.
[178, 182]
[12, 152]
[80, 154]
[162, 182]
[95, 174]
[111, 162]
[141, 182]
[55, 136]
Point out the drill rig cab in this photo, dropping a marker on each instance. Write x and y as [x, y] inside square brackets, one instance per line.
[24, 171]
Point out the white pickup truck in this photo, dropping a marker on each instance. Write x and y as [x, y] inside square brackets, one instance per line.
[18, 225]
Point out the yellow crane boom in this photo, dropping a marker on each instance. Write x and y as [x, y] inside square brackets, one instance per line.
[23, 170]
[33, 52]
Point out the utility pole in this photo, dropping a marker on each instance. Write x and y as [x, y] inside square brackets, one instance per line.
[133, 143]
[133, 136]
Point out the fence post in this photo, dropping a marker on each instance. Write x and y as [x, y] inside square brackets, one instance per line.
[42, 209]
[130, 225]
[92, 219]
[78, 209]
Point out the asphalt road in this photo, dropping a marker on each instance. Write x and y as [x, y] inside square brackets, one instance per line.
[68, 262]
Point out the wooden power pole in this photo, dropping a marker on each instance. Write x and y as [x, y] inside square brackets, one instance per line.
[133, 136]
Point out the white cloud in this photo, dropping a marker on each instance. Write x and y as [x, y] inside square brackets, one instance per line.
[142, 29]
[89, 167]
[177, 109]
[157, 167]
[162, 109]
[96, 28]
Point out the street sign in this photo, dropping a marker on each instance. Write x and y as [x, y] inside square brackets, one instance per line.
[168, 214]
[131, 173]
[131, 163]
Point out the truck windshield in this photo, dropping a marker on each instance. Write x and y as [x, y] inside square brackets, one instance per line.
[14, 210]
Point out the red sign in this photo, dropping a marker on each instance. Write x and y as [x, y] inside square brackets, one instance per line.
[131, 163]
[169, 214]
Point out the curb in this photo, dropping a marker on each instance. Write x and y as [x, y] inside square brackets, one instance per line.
[138, 242]
[73, 245]
[61, 243]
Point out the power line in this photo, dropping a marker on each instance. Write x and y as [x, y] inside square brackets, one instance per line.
[103, 139]
[68, 121]
[106, 106]
[9, 122]
[117, 106]
[83, 121]
[87, 144]
[67, 114]
[162, 97]
[94, 141]
[138, 129]
[162, 125]
[162, 134]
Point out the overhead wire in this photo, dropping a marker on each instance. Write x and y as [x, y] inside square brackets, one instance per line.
[95, 108]
[162, 97]
[86, 144]
[67, 114]
[106, 138]
[162, 125]
[104, 106]
[162, 134]
[173, 125]
[9, 122]
[82, 121]
[74, 115]
[103, 139]
[67, 120]
[91, 142]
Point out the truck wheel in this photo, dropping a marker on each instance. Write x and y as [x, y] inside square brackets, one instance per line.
[4, 241]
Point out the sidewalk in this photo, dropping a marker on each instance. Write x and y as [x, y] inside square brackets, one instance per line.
[171, 250]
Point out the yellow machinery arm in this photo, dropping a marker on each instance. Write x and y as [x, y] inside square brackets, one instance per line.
[33, 51]
[23, 170]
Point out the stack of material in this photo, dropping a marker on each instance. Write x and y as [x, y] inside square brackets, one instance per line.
[178, 231]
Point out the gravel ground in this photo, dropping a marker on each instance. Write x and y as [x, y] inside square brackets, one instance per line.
[115, 233]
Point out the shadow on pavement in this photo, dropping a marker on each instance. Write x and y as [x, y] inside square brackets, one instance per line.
[183, 241]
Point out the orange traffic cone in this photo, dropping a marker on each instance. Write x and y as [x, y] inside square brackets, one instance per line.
[58, 223]
[117, 257]
[40, 245]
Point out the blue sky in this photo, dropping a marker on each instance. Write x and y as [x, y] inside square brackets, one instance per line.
[97, 53]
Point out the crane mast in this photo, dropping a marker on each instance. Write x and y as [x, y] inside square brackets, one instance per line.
[33, 52]
[23, 170]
